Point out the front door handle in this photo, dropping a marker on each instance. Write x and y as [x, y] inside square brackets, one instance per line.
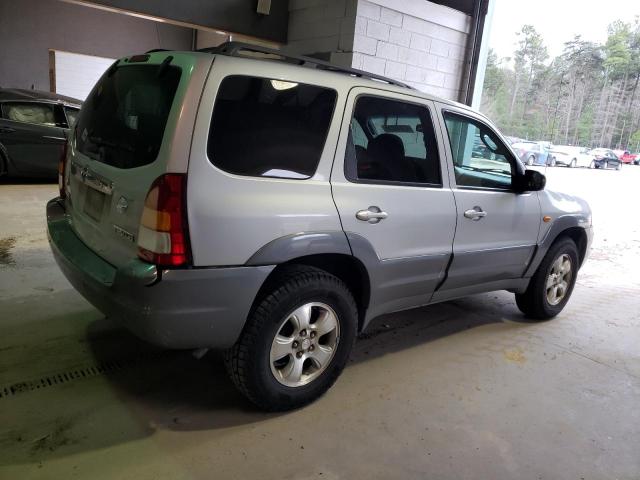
[372, 215]
[476, 213]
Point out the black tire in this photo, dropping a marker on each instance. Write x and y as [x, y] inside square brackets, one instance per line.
[248, 361]
[533, 302]
[531, 160]
[573, 163]
[3, 165]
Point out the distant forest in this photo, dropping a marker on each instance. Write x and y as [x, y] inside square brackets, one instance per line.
[587, 96]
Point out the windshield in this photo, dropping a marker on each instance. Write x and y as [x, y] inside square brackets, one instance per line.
[122, 122]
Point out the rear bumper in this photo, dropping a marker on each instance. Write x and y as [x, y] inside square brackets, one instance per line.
[191, 308]
[607, 163]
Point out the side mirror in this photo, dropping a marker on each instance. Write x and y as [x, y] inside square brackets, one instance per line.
[531, 181]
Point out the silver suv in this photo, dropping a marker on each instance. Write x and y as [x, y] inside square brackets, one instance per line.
[272, 207]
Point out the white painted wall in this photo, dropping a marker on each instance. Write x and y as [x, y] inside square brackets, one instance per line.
[76, 74]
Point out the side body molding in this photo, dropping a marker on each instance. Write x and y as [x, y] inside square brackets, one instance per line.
[298, 245]
[398, 283]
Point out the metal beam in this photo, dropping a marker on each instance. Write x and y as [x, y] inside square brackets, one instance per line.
[230, 16]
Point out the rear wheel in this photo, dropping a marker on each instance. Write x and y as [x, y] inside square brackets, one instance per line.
[619, 167]
[573, 163]
[3, 165]
[530, 160]
[296, 341]
[552, 284]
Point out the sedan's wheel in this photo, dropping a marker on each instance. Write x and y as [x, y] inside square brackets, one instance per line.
[530, 160]
[296, 341]
[619, 166]
[3, 165]
[552, 284]
[606, 165]
[592, 164]
[573, 163]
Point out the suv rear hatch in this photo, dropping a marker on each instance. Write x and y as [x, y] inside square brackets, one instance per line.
[135, 126]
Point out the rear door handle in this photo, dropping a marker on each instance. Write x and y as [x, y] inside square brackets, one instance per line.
[7, 130]
[372, 215]
[476, 213]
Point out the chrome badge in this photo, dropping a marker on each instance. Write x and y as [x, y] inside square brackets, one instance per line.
[122, 205]
[124, 234]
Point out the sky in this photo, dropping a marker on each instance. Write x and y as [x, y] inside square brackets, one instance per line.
[557, 21]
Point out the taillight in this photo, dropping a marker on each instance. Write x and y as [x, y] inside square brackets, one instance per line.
[62, 165]
[163, 237]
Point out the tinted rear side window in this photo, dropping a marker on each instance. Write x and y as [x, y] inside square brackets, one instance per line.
[122, 122]
[269, 128]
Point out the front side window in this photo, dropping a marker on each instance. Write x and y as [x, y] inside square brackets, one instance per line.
[480, 159]
[392, 141]
[30, 112]
[269, 128]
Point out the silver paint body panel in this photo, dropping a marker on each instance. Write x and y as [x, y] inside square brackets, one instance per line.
[241, 227]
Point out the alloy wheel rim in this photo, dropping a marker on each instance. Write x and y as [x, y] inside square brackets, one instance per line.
[305, 344]
[559, 279]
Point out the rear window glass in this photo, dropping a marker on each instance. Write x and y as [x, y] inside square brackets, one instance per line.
[122, 122]
[269, 128]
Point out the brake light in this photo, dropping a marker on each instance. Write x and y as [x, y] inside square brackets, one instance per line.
[163, 237]
[62, 165]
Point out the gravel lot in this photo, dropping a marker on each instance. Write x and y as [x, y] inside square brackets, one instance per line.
[464, 389]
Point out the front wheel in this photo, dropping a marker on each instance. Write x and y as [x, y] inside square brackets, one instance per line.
[296, 341]
[573, 163]
[530, 160]
[552, 284]
[619, 167]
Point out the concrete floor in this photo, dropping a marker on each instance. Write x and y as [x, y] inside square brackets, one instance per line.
[461, 390]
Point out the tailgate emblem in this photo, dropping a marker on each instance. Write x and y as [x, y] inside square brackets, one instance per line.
[122, 205]
[124, 234]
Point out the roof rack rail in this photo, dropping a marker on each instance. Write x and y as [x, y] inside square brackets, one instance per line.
[236, 49]
[153, 50]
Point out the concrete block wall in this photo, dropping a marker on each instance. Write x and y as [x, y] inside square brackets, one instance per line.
[322, 28]
[426, 51]
[415, 41]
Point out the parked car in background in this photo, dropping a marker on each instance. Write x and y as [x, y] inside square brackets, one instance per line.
[513, 140]
[33, 131]
[571, 156]
[627, 157]
[605, 158]
[532, 153]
